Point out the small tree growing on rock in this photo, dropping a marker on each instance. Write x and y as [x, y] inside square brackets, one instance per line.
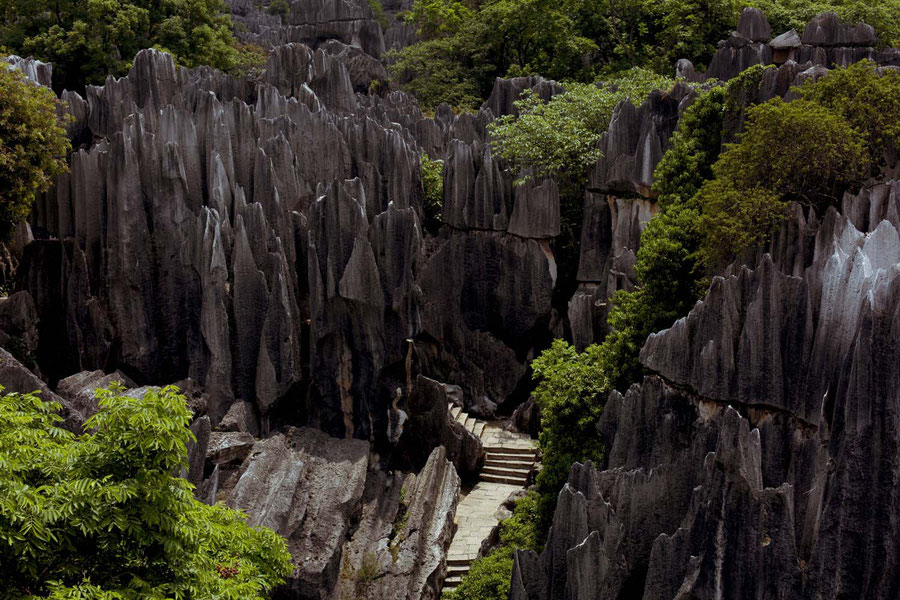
[33, 146]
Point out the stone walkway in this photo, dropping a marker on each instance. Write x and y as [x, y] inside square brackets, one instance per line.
[510, 459]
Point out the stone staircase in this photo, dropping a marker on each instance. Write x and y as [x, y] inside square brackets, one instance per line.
[509, 460]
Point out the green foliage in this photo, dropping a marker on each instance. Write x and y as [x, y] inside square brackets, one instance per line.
[33, 146]
[882, 15]
[566, 40]
[868, 98]
[569, 394]
[489, 577]
[798, 151]
[433, 182]
[436, 71]
[103, 515]
[280, 8]
[656, 33]
[559, 138]
[436, 18]
[250, 60]
[380, 15]
[88, 39]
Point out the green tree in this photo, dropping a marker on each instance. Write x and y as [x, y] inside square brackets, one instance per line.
[437, 18]
[433, 183]
[559, 138]
[280, 8]
[33, 146]
[103, 514]
[791, 151]
[89, 39]
[882, 15]
[569, 394]
[868, 98]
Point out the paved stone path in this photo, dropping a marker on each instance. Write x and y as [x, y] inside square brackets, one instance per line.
[510, 458]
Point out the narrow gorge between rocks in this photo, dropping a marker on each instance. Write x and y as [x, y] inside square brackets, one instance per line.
[435, 368]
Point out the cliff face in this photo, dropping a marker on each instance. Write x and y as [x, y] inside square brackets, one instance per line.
[760, 460]
[261, 242]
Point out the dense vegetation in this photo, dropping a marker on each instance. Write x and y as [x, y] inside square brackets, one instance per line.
[465, 44]
[433, 183]
[33, 146]
[104, 515]
[88, 39]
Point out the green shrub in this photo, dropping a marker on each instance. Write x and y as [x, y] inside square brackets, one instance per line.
[104, 514]
[433, 183]
[280, 8]
[558, 138]
[33, 146]
[569, 394]
[868, 99]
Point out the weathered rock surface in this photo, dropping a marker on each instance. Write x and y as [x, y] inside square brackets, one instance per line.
[430, 425]
[761, 462]
[399, 548]
[306, 486]
[80, 389]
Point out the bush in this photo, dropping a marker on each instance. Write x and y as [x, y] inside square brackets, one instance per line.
[33, 146]
[559, 138]
[280, 8]
[104, 515]
[568, 393]
[436, 71]
[433, 182]
[868, 98]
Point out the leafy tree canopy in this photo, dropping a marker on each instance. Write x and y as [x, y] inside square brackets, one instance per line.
[88, 39]
[104, 515]
[33, 146]
[869, 99]
[559, 138]
[795, 14]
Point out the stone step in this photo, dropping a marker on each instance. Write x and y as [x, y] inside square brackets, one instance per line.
[479, 428]
[511, 450]
[454, 411]
[461, 418]
[511, 457]
[457, 570]
[452, 582]
[506, 472]
[469, 423]
[519, 481]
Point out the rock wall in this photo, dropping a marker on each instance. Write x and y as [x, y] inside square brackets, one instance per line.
[760, 458]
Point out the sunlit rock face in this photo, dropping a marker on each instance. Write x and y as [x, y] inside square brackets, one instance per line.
[760, 459]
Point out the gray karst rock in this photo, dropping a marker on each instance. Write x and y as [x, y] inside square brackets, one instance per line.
[755, 464]
[431, 425]
[80, 389]
[260, 242]
[405, 528]
[35, 70]
[305, 486]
